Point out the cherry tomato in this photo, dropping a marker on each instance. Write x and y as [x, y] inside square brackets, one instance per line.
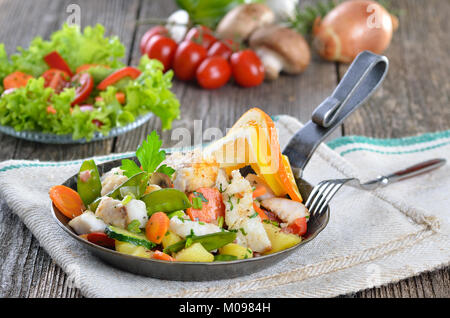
[213, 72]
[188, 57]
[163, 49]
[159, 29]
[247, 68]
[56, 79]
[55, 60]
[100, 238]
[16, 80]
[201, 35]
[127, 71]
[223, 48]
[84, 84]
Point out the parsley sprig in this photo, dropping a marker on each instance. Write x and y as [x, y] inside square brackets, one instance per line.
[150, 157]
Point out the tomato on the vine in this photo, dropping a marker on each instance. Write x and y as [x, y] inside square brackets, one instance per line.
[213, 72]
[161, 48]
[56, 79]
[156, 30]
[201, 35]
[247, 68]
[188, 57]
[223, 48]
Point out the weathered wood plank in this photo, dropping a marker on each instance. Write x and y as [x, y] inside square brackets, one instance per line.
[33, 273]
[415, 95]
[413, 99]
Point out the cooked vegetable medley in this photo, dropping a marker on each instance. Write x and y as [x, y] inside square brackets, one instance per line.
[76, 84]
[187, 207]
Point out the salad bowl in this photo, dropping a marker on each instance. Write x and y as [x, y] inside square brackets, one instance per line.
[362, 78]
[49, 138]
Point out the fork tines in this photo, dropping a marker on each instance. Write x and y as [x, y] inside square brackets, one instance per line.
[321, 195]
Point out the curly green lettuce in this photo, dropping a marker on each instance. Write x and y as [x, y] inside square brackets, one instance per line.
[6, 66]
[26, 108]
[76, 47]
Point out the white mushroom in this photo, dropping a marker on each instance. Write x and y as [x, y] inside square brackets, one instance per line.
[280, 49]
[242, 20]
[177, 24]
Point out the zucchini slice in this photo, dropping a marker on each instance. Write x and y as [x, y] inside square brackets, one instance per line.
[129, 237]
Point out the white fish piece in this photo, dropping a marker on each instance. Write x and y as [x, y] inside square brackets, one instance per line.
[87, 223]
[136, 210]
[252, 234]
[255, 181]
[112, 179]
[287, 210]
[222, 181]
[183, 227]
[113, 212]
[240, 214]
[193, 171]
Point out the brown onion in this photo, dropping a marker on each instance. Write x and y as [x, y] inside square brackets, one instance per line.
[353, 27]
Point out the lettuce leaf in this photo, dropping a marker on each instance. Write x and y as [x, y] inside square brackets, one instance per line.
[26, 108]
[151, 92]
[6, 66]
[76, 47]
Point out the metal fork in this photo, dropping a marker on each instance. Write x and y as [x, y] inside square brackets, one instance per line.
[322, 194]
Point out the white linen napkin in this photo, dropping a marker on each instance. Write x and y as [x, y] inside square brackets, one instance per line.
[373, 238]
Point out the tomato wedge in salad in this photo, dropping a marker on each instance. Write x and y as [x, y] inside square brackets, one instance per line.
[84, 84]
[56, 79]
[55, 60]
[127, 71]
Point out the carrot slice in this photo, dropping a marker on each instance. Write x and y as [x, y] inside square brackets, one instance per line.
[157, 227]
[120, 97]
[210, 210]
[163, 256]
[67, 201]
[260, 212]
[259, 191]
[16, 80]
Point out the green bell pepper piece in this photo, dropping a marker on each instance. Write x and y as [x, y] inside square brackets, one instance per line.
[209, 241]
[136, 184]
[90, 189]
[166, 200]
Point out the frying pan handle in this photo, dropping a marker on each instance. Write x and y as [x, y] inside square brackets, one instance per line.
[363, 77]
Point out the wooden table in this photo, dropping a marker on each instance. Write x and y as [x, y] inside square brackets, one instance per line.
[414, 99]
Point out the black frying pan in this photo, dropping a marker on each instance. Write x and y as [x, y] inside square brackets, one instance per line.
[364, 75]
